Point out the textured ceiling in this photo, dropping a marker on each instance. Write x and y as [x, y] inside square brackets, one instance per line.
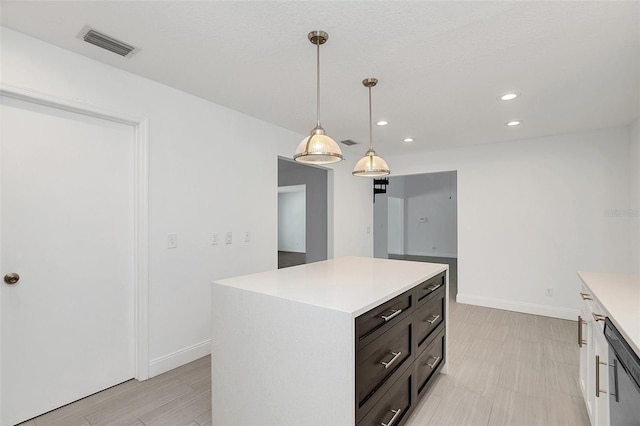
[441, 64]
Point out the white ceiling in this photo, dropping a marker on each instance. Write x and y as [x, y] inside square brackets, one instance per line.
[441, 64]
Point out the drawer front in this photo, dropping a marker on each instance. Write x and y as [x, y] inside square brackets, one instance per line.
[395, 406]
[378, 362]
[430, 361]
[428, 316]
[431, 285]
[381, 318]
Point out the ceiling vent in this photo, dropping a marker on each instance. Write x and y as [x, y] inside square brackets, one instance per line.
[106, 42]
[349, 142]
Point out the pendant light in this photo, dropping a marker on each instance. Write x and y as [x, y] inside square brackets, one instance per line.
[370, 165]
[318, 148]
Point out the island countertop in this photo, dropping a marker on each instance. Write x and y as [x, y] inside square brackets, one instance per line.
[619, 296]
[348, 284]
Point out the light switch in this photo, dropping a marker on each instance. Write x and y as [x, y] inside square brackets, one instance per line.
[228, 238]
[214, 238]
[247, 237]
[172, 240]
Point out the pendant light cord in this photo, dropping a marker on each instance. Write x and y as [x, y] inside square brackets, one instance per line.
[370, 123]
[318, 83]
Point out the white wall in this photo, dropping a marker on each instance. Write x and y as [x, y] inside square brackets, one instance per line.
[196, 186]
[431, 214]
[634, 195]
[531, 214]
[292, 220]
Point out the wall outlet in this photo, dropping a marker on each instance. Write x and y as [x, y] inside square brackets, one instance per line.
[228, 238]
[247, 236]
[214, 238]
[549, 291]
[172, 240]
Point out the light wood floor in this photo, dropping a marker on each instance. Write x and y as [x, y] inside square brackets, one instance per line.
[505, 368]
[289, 258]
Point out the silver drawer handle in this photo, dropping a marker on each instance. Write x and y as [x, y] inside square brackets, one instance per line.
[435, 361]
[395, 313]
[433, 319]
[395, 357]
[434, 287]
[585, 296]
[598, 317]
[396, 414]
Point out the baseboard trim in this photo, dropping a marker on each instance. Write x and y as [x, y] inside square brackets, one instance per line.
[179, 358]
[526, 308]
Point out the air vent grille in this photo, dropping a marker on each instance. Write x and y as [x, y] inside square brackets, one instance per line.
[349, 142]
[106, 42]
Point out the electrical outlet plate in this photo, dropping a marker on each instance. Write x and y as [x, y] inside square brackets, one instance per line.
[228, 238]
[214, 238]
[247, 236]
[549, 292]
[172, 240]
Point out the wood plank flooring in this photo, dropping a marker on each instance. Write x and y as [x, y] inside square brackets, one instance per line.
[505, 368]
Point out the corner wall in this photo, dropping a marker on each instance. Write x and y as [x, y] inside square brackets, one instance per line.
[532, 213]
[634, 195]
[196, 187]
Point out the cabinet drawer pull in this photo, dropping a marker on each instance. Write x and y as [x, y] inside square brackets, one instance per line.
[394, 313]
[387, 364]
[433, 287]
[581, 341]
[585, 296]
[598, 390]
[433, 319]
[598, 317]
[435, 361]
[396, 414]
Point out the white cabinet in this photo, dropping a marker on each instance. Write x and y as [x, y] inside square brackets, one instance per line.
[594, 356]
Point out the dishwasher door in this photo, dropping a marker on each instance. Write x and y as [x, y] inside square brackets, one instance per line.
[624, 379]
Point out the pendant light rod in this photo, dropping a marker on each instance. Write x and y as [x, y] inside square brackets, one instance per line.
[318, 84]
[369, 83]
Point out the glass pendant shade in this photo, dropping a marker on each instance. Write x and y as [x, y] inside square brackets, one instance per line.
[371, 166]
[318, 149]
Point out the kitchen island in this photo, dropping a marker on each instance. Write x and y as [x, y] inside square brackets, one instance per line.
[346, 341]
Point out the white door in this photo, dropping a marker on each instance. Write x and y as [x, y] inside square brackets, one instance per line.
[396, 226]
[66, 198]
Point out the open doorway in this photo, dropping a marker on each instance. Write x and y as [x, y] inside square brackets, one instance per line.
[417, 219]
[302, 213]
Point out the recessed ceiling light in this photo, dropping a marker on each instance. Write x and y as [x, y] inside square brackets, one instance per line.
[382, 123]
[407, 140]
[508, 96]
[513, 123]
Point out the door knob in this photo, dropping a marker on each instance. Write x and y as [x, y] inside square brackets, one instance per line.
[11, 278]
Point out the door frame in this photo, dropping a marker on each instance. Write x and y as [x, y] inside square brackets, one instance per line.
[141, 208]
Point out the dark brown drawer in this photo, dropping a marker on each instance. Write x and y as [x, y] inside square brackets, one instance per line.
[381, 318]
[377, 363]
[428, 316]
[430, 361]
[395, 406]
[431, 285]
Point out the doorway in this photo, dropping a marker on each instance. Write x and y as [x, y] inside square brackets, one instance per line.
[70, 228]
[417, 220]
[295, 219]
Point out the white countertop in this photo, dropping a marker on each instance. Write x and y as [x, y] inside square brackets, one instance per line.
[348, 284]
[619, 296]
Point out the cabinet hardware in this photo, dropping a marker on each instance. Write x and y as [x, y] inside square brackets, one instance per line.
[581, 341]
[396, 414]
[394, 313]
[11, 278]
[433, 287]
[598, 363]
[585, 296]
[598, 317]
[433, 319]
[435, 361]
[387, 364]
